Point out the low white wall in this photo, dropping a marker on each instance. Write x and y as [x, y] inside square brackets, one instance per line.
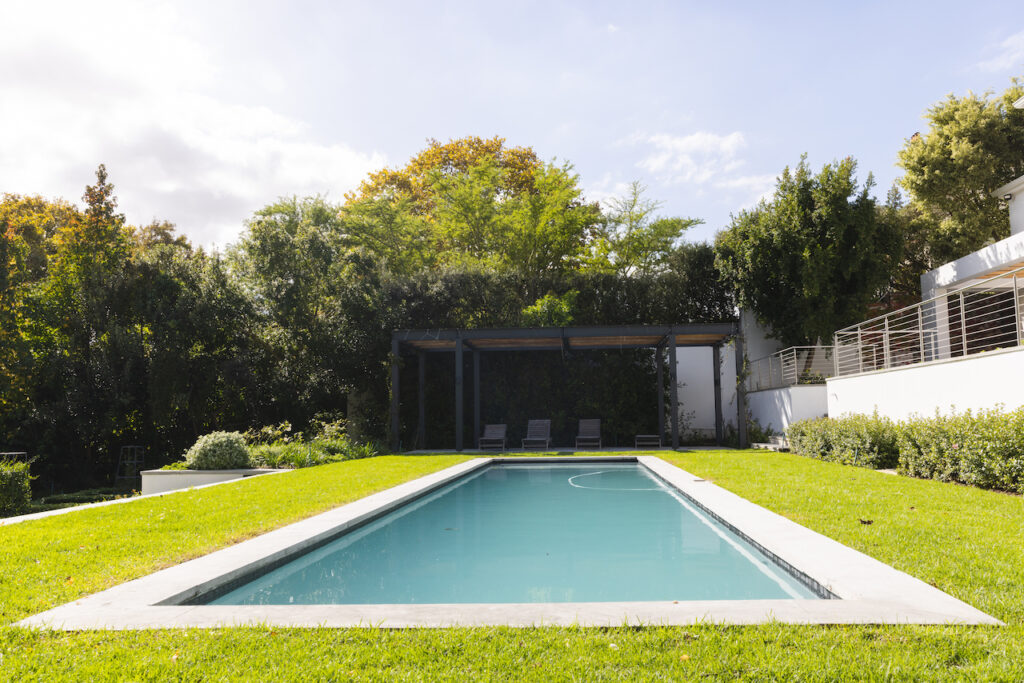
[982, 381]
[161, 481]
[778, 408]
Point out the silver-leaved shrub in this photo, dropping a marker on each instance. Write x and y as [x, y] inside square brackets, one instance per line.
[218, 451]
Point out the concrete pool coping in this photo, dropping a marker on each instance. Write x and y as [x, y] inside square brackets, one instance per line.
[869, 591]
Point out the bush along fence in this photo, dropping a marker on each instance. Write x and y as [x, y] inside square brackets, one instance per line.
[15, 491]
[984, 449]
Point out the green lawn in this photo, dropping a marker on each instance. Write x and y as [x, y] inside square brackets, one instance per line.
[965, 541]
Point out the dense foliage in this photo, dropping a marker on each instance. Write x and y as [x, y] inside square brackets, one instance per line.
[984, 449]
[973, 145]
[279, 446]
[218, 451]
[15, 492]
[862, 440]
[810, 260]
[117, 335]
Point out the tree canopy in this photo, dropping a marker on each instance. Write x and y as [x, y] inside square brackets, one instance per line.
[809, 260]
[113, 334]
[414, 180]
[973, 145]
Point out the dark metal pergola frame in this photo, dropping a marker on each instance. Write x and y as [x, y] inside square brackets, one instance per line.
[606, 337]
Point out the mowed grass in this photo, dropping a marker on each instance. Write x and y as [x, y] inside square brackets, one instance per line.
[965, 541]
[47, 562]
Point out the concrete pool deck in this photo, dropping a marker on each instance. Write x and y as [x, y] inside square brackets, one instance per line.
[869, 591]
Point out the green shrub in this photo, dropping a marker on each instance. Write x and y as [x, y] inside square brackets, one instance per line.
[984, 449]
[862, 440]
[218, 451]
[15, 492]
[756, 433]
[865, 441]
[929, 448]
[288, 455]
[317, 452]
[271, 434]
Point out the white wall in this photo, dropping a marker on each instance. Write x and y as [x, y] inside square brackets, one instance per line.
[778, 408]
[696, 377]
[976, 382]
[697, 388]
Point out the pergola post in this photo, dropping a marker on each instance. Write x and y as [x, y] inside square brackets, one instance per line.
[395, 379]
[716, 361]
[741, 393]
[476, 397]
[459, 428]
[659, 361]
[421, 426]
[673, 372]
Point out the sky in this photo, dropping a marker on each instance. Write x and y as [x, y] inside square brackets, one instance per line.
[203, 112]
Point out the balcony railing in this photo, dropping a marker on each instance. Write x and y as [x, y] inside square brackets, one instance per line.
[786, 368]
[981, 317]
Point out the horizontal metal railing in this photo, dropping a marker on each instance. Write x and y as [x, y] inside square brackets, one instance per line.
[789, 367]
[981, 317]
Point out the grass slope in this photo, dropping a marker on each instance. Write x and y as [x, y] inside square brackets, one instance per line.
[964, 540]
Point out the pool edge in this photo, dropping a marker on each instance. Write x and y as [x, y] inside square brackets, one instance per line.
[142, 603]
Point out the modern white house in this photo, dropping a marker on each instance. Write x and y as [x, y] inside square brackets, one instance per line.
[959, 349]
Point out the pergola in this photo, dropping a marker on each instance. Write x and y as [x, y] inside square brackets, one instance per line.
[477, 342]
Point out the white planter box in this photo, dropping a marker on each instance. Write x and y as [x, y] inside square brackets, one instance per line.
[161, 481]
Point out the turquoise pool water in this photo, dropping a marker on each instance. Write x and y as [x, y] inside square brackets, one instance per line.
[581, 532]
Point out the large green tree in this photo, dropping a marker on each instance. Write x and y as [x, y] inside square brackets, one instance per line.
[973, 144]
[811, 259]
[634, 240]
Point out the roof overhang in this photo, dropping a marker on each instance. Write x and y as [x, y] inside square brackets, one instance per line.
[1014, 187]
[559, 338]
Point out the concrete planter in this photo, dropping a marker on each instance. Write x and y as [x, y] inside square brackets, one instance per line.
[161, 481]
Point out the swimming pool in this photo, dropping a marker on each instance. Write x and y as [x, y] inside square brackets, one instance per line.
[537, 532]
[649, 523]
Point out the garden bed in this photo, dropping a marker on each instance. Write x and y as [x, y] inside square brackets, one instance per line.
[162, 481]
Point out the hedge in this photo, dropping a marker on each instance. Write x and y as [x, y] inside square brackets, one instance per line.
[15, 492]
[862, 440]
[984, 449]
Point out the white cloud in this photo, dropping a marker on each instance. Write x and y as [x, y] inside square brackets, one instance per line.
[705, 164]
[697, 158]
[612, 28]
[1009, 54]
[605, 189]
[753, 187]
[141, 96]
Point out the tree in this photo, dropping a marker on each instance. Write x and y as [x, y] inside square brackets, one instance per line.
[543, 231]
[633, 240]
[916, 227]
[454, 157]
[159, 233]
[385, 232]
[809, 261]
[973, 145]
